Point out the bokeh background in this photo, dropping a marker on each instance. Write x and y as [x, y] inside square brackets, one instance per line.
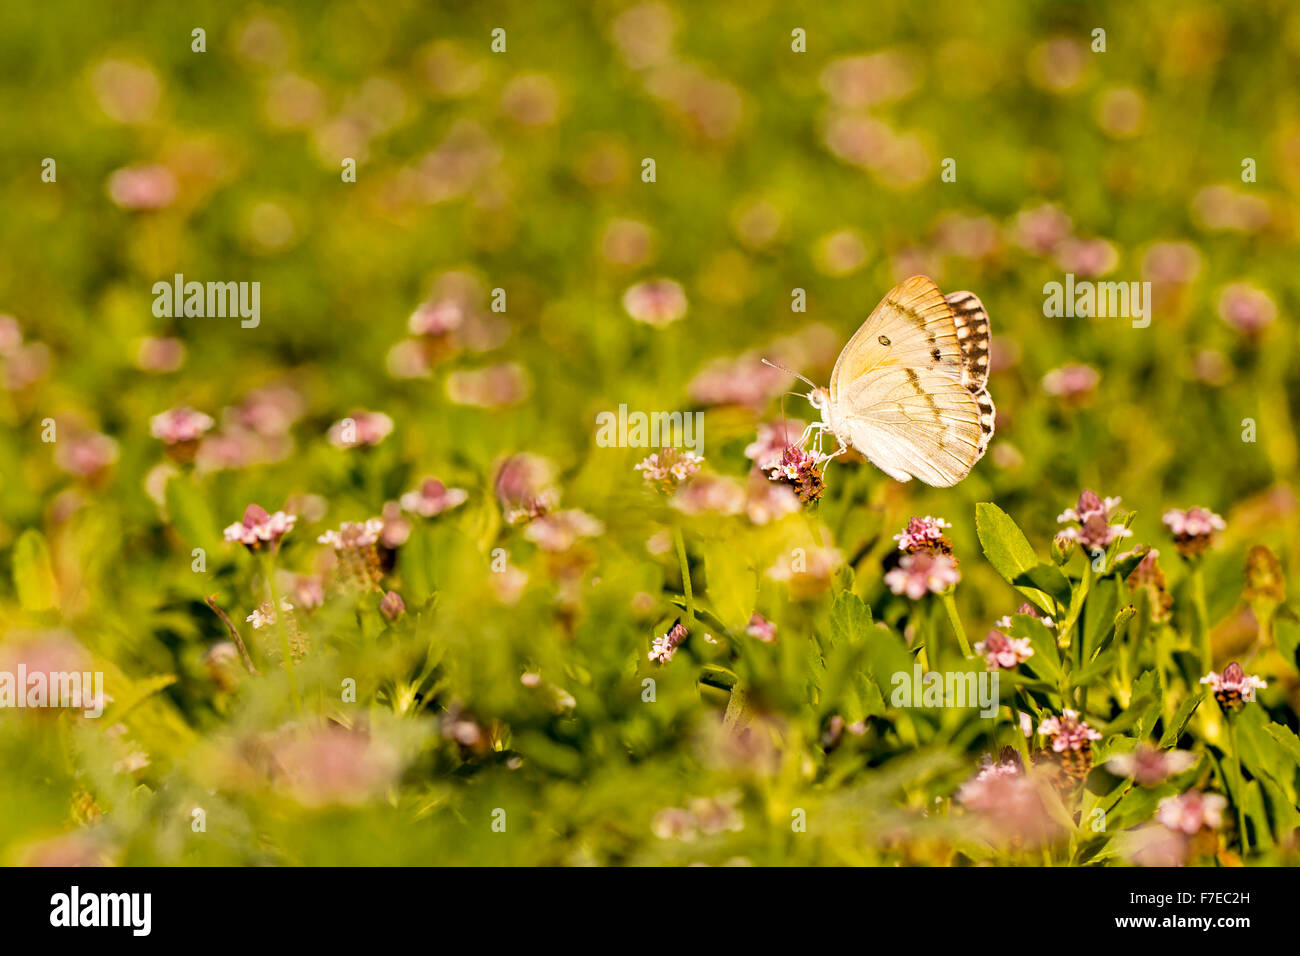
[521, 171]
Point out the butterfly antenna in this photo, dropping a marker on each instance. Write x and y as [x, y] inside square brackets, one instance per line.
[788, 371]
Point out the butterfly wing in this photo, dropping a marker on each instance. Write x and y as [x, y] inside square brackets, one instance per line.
[909, 395]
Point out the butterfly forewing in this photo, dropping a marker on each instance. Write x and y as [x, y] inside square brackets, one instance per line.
[909, 395]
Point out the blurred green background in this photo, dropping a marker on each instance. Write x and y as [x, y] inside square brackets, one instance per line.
[521, 170]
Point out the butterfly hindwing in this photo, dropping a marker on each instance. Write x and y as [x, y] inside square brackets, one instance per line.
[909, 388]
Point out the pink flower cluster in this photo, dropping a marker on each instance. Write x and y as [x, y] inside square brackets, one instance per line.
[363, 428]
[924, 534]
[354, 534]
[180, 425]
[1192, 529]
[258, 528]
[1093, 516]
[433, 498]
[1234, 688]
[922, 572]
[1001, 651]
[666, 469]
[1191, 811]
[663, 648]
[1068, 732]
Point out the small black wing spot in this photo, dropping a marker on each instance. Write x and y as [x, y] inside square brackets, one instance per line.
[883, 339]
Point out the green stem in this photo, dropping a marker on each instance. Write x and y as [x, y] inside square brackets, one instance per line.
[1202, 618]
[680, 542]
[1241, 783]
[950, 605]
[282, 626]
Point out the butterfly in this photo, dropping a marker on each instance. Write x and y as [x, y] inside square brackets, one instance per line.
[910, 389]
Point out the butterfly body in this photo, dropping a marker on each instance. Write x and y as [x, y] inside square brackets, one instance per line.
[909, 390]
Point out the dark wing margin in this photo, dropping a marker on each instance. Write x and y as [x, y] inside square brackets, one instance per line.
[973, 338]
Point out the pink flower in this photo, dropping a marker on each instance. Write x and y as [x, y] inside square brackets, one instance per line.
[767, 501]
[740, 381]
[269, 412]
[713, 494]
[924, 534]
[259, 528]
[85, 454]
[1041, 229]
[433, 498]
[363, 428]
[142, 187]
[159, 355]
[663, 648]
[1071, 381]
[1247, 308]
[1010, 802]
[397, 527]
[767, 449]
[666, 469]
[921, 572]
[352, 535]
[436, 318]
[1001, 651]
[761, 628]
[179, 425]
[1093, 516]
[657, 302]
[1234, 688]
[496, 386]
[1148, 766]
[560, 530]
[801, 471]
[392, 606]
[1068, 732]
[525, 487]
[332, 766]
[1190, 811]
[1192, 529]
[1087, 257]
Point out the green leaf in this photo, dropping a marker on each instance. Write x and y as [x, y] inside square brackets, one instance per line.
[33, 576]
[850, 618]
[1046, 577]
[1008, 550]
[189, 513]
[1181, 716]
[732, 585]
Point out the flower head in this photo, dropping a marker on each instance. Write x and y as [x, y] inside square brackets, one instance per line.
[363, 428]
[663, 648]
[921, 572]
[560, 530]
[1001, 651]
[773, 439]
[761, 628]
[657, 302]
[924, 534]
[433, 498]
[1149, 766]
[258, 528]
[353, 535]
[1093, 516]
[1192, 529]
[800, 470]
[1068, 732]
[1190, 811]
[1234, 688]
[666, 469]
[1005, 621]
[180, 426]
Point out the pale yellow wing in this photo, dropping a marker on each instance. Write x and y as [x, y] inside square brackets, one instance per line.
[909, 391]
